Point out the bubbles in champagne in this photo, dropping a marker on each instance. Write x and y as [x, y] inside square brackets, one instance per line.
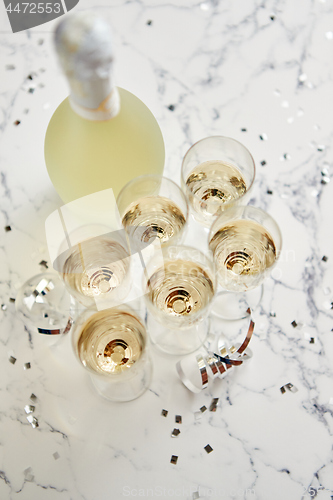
[180, 289]
[153, 217]
[243, 251]
[212, 184]
[111, 341]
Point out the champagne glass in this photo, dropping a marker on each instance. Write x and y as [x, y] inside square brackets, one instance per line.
[95, 269]
[217, 173]
[179, 286]
[153, 207]
[246, 243]
[112, 345]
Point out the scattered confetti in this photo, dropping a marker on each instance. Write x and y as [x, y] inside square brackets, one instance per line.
[285, 156]
[203, 409]
[272, 314]
[325, 180]
[263, 163]
[285, 104]
[269, 191]
[31, 90]
[56, 455]
[277, 93]
[178, 419]
[149, 22]
[321, 147]
[171, 107]
[291, 387]
[164, 413]
[208, 448]
[43, 263]
[29, 409]
[302, 78]
[174, 459]
[33, 397]
[175, 433]
[12, 360]
[214, 404]
[27, 474]
[312, 340]
[30, 77]
[4, 307]
[329, 35]
[294, 324]
[263, 137]
[325, 258]
[243, 130]
[272, 17]
[40, 41]
[27, 366]
[12, 300]
[33, 421]
[288, 386]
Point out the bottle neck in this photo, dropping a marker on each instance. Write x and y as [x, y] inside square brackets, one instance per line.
[84, 46]
[94, 99]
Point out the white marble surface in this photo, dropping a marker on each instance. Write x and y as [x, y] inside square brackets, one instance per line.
[224, 65]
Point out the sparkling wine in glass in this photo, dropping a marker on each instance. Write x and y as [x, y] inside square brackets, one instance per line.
[246, 243]
[95, 270]
[153, 208]
[112, 345]
[217, 173]
[179, 287]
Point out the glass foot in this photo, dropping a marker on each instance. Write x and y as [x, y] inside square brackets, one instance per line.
[235, 305]
[175, 341]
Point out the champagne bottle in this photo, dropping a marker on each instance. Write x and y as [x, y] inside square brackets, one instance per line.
[101, 136]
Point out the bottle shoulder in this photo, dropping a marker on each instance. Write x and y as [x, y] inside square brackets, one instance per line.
[130, 107]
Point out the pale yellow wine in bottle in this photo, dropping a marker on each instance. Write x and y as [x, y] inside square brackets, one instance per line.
[100, 136]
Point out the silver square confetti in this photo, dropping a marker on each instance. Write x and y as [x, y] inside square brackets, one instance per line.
[214, 404]
[208, 448]
[174, 459]
[33, 421]
[29, 409]
[175, 433]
